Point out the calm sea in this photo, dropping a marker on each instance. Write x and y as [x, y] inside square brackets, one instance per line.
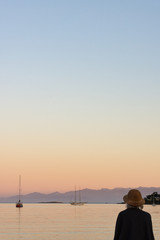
[64, 222]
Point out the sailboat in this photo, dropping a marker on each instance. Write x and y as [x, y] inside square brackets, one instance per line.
[79, 203]
[19, 204]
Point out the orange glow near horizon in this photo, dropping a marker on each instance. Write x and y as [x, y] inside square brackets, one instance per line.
[94, 165]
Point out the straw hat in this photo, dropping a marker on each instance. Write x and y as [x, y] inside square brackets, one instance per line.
[134, 198]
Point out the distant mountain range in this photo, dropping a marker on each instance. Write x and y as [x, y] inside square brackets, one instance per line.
[103, 195]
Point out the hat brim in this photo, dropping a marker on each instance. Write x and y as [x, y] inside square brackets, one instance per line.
[133, 203]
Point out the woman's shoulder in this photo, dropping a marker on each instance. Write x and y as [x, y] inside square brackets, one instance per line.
[134, 211]
[145, 213]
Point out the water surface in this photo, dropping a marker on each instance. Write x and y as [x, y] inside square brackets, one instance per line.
[64, 222]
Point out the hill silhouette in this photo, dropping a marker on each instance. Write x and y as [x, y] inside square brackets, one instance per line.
[103, 195]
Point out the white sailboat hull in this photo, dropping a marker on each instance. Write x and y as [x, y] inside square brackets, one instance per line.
[77, 203]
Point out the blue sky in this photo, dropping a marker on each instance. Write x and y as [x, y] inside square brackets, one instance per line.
[80, 70]
[94, 51]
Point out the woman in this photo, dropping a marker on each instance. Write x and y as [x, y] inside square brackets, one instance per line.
[133, 223]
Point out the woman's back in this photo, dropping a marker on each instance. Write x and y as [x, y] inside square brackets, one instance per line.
[134, 224]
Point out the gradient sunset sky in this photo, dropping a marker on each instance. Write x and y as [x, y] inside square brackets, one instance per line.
[79, 94]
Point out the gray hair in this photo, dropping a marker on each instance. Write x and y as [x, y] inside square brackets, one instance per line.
[129, 206]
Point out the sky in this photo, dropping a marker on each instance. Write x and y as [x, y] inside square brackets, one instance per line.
[79, 94]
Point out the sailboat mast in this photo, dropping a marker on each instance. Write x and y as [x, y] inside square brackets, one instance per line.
[19, 187]
[19, 203]
[79, 195]
[75, 194]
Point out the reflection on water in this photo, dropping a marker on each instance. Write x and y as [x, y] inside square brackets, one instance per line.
[64, 222]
